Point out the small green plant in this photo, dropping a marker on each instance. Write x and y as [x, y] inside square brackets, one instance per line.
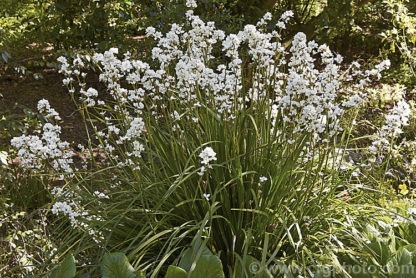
[383, 253]
[402, 37]
[114, 265]
[66, 269]
[196, 262]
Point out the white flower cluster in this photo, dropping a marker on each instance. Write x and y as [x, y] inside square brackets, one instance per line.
[206, 156]
[309, 100]
[66, 70]
[127, 105]
[89, 96]
[78, 219]
[45, 108]
[398, 117]
[364, 78]
[197, 67]
[284, 18]
[101, 195]
[68, 204]
[133, 135]
[300, 83]
[66, 209]
[41, 153]
[395, 121]
[357, 91]
[191, 4]
[305, 95]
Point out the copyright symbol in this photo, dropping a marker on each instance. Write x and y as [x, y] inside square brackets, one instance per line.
[254, 267]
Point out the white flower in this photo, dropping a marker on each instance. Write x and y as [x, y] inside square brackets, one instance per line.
[411, 211]
[101, 195]
[264, 19]
[137, 127]
[35, 152]
[286, 16]
[356, 172]
[207, 155]
[66, 209]
[353, 101]
[175, 115]
[50, 113]
[89, 96]
[191, 4]
[202, 170]
[281, 25]
[150, 31]
[3, 157]
[65, 68]
[207, 196]
[263, 179]
[395, 120]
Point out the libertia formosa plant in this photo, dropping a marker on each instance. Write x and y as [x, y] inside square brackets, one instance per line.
[233, 137]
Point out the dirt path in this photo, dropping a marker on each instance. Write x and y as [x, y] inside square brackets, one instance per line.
[20, 92]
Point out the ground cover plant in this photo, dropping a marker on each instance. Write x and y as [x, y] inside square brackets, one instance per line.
[235, 152]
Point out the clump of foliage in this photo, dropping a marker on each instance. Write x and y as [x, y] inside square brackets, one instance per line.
[245, 145]
[236, 138]
[401, 38]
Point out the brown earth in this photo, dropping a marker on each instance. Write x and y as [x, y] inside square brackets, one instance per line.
[20, 92]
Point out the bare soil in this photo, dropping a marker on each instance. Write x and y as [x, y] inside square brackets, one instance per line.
[23, 91]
